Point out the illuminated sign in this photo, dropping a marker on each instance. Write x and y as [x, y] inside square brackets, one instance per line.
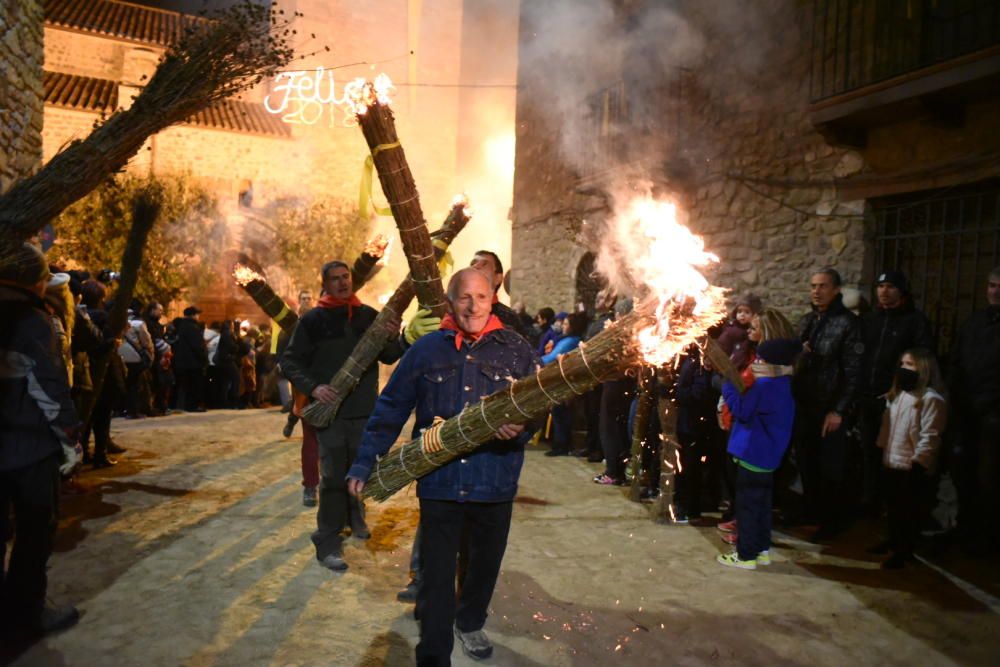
[304, 97]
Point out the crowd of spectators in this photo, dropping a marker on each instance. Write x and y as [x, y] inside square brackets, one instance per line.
[853, 417]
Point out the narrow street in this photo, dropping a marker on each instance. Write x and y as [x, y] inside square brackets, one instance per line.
[195, 551]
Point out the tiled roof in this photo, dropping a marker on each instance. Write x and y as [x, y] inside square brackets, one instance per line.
[80, 92]
[89, 94]
[122, 20]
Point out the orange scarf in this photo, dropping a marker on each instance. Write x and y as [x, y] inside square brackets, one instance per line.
[330, 301]
[449, 324]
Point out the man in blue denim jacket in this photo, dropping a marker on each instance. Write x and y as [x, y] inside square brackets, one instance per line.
[470, 357]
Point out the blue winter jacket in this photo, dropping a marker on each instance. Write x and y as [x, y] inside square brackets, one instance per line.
[762, 420]
[562, 346]
[439, 381]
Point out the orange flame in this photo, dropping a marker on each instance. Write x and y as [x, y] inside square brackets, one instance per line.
[662, 258]
[377, 246]
[361, 93]
[244, 275]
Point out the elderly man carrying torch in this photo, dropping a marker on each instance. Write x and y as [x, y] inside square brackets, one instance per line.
[322, 341]
[471, 356]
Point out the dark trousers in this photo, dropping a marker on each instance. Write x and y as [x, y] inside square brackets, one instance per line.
[905, 495]
[616, 397]
[753, 512]
[823, 466]
[871, 454]
[562, 426]
[338, 445]
[976, 470]
[310, 455]
[33, 493]
[442, 524]
[100, 421]
[137, 392]
[592, 411]
[190, 388]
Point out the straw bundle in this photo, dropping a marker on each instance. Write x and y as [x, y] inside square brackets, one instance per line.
[213, 60]
[364, 267]
[255, 285]
[382, 329]
[379, 127]
[609, 354]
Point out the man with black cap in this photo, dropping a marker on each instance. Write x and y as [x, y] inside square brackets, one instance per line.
[321, 343]
[39, 430]
[891, 328]
[190, 360]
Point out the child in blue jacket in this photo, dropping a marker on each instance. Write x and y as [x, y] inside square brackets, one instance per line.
[762, 428]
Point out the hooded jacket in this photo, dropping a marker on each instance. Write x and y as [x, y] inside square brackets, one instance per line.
[828, 375]
[36, 412]
[762, 421]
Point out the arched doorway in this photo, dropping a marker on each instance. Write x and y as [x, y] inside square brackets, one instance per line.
[588, 282]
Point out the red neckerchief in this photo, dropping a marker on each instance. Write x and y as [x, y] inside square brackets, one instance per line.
[496, 299]
[449, 324]
[330, 301]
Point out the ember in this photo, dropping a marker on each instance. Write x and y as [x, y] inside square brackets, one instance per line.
[244, 275]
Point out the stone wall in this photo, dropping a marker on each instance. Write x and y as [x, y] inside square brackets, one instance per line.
[753, 174]
[21, 58]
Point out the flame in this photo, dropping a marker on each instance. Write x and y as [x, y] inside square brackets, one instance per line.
[244, 275]
[462, 200]
[384, 298]
[361, 93]
[660, 258]
[377, 246]
[386, 252]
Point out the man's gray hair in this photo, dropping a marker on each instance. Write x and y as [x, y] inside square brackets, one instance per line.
[456, 279]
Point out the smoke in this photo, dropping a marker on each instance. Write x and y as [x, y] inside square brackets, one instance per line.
[572, 50]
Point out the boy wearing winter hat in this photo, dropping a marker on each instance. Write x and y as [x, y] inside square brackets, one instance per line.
[762, 428]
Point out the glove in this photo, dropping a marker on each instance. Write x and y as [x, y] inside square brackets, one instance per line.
[71, 457]
[423, 323]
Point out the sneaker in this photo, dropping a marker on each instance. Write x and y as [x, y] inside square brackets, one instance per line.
[730, 538]
[607, 480]
[115, 448]
[55, 619]
[409, 594]
[475, 644]
[648, 495]
[727, 526]
[733, 560]
[764, 557]
[309, 496]
[595, 458]
[359, 530]
[334, 561]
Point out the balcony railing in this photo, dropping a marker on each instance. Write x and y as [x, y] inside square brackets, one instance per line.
[856, 43]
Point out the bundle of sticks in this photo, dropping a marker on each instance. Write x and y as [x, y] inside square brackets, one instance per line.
[382, 329]
[611, 353]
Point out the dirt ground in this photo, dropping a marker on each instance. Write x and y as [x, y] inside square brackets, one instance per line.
[195, 551]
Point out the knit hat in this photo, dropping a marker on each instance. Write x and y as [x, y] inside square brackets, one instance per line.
[779, 351]
[894, 278]
[23, 265]
[751, 301]
[562, 315]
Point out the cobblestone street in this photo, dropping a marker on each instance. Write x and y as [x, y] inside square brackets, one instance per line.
[195, 551]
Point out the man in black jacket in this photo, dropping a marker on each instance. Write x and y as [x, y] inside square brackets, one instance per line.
[190, 360]
[890, 329]
[826, 386]
[974, 384]
[38, 428]
[322, 341]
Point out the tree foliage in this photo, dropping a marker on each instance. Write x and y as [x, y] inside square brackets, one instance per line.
[306, 235]
[184, 248]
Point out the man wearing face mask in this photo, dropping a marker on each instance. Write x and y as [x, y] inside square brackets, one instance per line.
[892, 327]
[974, 384]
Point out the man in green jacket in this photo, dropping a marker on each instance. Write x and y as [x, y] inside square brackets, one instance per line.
[322, 341]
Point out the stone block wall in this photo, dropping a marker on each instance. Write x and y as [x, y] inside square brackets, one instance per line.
[753, 174]
[21, 58]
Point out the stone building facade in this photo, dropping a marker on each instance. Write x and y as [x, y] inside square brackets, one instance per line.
[21, 58]
[720, 110]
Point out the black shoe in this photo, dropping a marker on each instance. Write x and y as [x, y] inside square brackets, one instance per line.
[595, 458]
[360, 530]
[894, 562]
[104, 462]
[55, 619]
[409, 594]
[557, 452]
[334, 561]
[115, 448]
[287, 430]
